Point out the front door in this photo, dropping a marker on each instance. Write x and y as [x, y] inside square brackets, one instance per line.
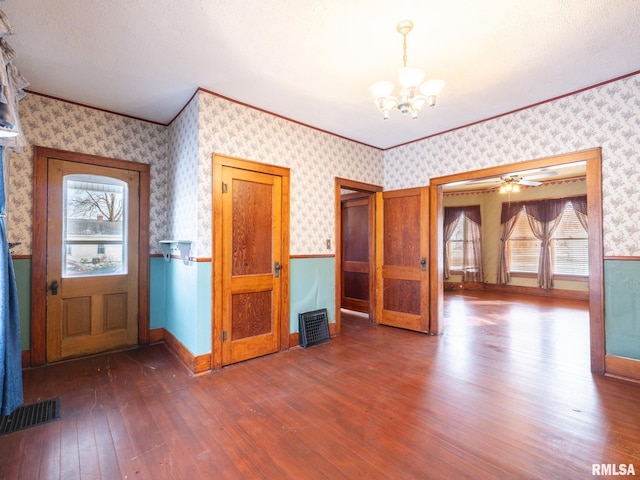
[402, 249]
[92, 259]
[252, 204]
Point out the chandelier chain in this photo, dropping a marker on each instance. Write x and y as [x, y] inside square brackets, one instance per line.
[404, 49]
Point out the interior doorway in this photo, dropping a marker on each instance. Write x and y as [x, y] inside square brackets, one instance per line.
[357, 215]
[592, 159]
[355, 248]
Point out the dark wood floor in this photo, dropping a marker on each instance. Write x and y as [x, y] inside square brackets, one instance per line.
[506, 392]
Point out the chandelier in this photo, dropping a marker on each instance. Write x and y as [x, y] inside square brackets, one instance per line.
[413, 94]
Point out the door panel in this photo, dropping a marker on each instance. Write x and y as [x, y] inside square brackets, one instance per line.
[356, 277]
[92, 259]
[402, 258]
[252, 247]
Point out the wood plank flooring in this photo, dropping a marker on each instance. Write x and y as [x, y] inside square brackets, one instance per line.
[506, 392]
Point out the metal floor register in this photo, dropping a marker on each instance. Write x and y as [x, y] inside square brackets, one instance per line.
[313, 327]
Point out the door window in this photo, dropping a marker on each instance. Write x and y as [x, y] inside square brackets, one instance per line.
[94, 226]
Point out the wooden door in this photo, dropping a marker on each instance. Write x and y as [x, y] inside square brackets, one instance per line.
[252, 264]
[92, 259]
[402, 263]
[357, 280]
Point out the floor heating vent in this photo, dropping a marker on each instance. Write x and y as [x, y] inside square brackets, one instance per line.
[313, 328]
[28, 416]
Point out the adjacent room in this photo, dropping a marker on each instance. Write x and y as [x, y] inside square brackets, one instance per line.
[319, 239]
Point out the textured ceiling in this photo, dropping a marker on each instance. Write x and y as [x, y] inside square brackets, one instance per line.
[313, 60]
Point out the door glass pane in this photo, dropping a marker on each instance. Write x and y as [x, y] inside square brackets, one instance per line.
[94, 226]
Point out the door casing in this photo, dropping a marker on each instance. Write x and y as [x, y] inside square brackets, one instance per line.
[219, 162]
[41, 156]
[593, 159]
[340, 184]
[360, 224]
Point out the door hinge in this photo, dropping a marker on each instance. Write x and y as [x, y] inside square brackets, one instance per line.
[224, 335]
[224, 187]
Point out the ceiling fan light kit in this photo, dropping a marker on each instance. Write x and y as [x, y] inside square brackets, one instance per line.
[413, 93]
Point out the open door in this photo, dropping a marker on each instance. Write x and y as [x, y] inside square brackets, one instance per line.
[357, 212]
[402, 248]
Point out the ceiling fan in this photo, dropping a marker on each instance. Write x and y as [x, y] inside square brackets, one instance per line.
[512, 182]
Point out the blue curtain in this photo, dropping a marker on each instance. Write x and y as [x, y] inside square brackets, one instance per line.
[10, 344]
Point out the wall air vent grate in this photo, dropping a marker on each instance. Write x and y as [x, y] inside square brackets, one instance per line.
[313, 327]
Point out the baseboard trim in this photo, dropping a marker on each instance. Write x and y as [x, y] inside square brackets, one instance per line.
[621, 367]
[26, 358]
[195, 363]
[518, 290]
[294, 338]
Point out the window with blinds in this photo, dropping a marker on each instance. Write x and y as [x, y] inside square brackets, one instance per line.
[456, 246]
[569, 247]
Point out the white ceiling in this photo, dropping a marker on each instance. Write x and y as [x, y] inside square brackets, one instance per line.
[313, 60]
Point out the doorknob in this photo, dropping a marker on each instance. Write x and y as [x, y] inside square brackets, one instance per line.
[54, 287]
[276, 269]
[423, 263]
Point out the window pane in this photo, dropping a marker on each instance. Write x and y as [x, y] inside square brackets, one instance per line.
[570, 246]
[456, 246]
[94, 220]
[524, 248]
[525, 255]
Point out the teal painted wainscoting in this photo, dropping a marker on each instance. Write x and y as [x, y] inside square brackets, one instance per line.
[312, 287]
[622, 308]
[180, 297]
[157, 292]
[187, 304]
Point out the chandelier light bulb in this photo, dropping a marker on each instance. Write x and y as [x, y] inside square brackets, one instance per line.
[381, 89]
[410, 77]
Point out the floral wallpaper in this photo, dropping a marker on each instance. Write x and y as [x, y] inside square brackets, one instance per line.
[55, 124]
[181, 208]
[315, 159]
[181, 158]
[606, 116]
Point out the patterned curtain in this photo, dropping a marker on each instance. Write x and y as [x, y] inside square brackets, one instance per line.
[544, 216]
[12, 85]
[580, 207]
[472, 270]
[508, 220]
[451, 219]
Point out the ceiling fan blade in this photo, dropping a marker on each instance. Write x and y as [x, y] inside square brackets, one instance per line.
[541, 175]
[482, 181]
[494, 186]
[529, 183]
